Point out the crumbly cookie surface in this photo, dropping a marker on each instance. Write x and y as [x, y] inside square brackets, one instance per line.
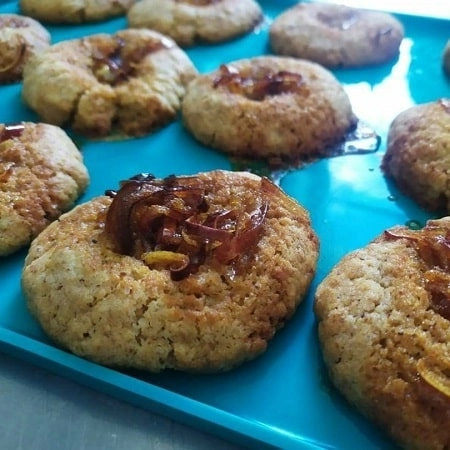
[417, 156]
[74, 11]
[268, 107]
[41, 176]
[20, 38]
[336, 35]
[383, 315]
[118, 311]
[132, 80]
[189, 22]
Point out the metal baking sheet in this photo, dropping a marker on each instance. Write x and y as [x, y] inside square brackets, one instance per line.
[282, 399]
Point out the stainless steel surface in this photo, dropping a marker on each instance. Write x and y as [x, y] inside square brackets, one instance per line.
[42, 411]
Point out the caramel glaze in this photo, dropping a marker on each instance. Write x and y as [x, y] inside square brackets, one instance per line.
[116, 63]
[257, 86]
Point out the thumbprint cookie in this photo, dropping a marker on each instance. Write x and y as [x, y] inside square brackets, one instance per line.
[268, 107]
[417, 156]
[192, 273]
[131, 82]
[20, 38]
[336, 35]
[190, 22]
[384, 320]
[41, 175]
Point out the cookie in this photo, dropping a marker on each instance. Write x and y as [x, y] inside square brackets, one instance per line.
[336, 35]
[74, 11]
[131, 81]
[417, 155]
[41, 175]
[446, 59]
[192, 273]
[384, 322]
[189, 22]
[268, 107]
[20, 38]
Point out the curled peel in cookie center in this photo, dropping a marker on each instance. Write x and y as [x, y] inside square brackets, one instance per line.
[16, 60]
[116, 61]
[433, 246]
[257, 85]
[172, 223]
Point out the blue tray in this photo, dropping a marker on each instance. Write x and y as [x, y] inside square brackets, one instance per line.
[282, 399]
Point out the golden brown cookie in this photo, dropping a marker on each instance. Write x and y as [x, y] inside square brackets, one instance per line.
[20, 38]
[41, 176]
[336, 35]
[191, 21]
[132, 80]
[384, 322]
[192, 273]
[268, 107]
[417, 157]
[74, 11]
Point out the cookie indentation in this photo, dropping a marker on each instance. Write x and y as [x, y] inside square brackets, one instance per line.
[170, 223]
[257, 86]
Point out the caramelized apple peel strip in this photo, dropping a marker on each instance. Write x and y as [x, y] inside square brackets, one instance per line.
[257, 86]
[169, 223]
[433, 246]
[20, 52]
[434, 376]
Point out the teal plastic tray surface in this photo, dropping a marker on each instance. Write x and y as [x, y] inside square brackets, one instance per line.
[282, 399]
